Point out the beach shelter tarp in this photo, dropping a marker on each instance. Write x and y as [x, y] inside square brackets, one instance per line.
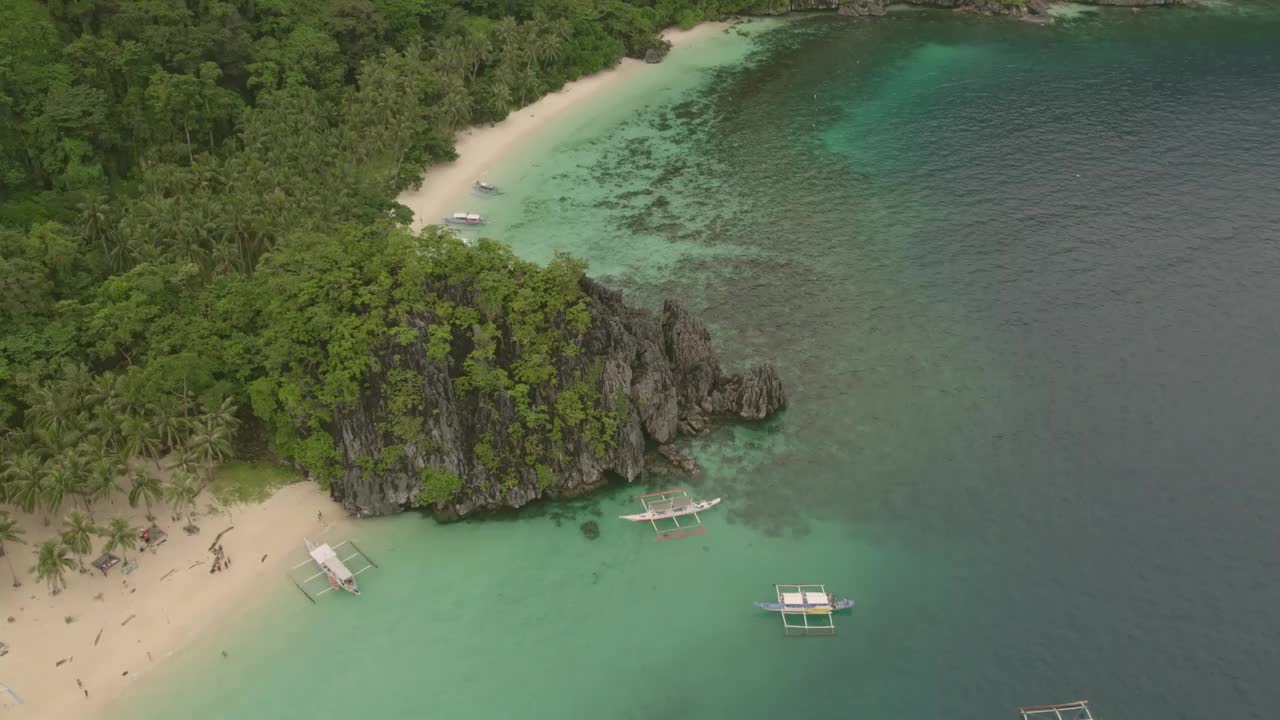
[105, 562]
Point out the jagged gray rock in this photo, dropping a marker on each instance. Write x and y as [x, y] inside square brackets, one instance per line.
[655, 374]
[678, 458]
[657, 53]
[862, 8]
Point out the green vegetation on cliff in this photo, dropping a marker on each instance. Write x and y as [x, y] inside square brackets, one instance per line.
[339, 312]
[177, 178]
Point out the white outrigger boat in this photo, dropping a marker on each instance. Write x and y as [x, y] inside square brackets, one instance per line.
[677, 509]
[462, 218]
[670, 505]
[334, 568]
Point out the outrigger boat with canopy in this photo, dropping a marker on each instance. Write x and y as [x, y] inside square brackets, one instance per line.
[486, 188]
[670, 505]
[462, 218]
[812, 603]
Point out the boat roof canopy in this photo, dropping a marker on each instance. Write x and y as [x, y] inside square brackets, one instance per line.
[793, 598]
[813, 598]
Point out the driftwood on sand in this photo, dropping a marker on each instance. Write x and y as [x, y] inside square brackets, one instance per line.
[126, 620]
[95, 640]
[214, 544]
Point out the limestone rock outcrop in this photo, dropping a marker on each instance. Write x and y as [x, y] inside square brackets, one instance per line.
[652, 373]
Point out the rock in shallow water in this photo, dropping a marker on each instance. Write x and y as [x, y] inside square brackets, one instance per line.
[677, 458]
[590, 530]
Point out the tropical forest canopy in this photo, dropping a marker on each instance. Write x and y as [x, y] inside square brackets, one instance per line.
[165, 165]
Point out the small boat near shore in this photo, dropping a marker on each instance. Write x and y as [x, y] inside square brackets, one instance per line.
[485, 188]
[340, 577]
[462, 218]
[330, 567]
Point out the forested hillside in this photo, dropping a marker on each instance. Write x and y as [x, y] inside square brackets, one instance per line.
[155, 154]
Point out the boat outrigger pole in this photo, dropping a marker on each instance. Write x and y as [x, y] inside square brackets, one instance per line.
[1077, 710]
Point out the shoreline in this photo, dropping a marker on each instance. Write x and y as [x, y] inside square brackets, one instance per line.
[444, 187]
[124, 626]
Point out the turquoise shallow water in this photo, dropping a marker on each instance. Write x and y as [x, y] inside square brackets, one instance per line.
[1022, 284]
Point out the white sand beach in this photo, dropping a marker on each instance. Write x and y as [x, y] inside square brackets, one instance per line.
[445, 187]
[123, 626]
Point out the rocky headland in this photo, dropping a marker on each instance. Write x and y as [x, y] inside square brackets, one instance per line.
[630, 382]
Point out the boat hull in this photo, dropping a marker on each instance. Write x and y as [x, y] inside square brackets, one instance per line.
[806, 609]
[662, 515]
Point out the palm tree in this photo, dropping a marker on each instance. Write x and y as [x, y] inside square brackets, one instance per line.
[453, 107]
[101, 483]
[171, 426]
[103, 426]
[97, 223]
[119, 535]
[147, 488]
[10, 533]
[59, 481]
[182, 493]
[48, 408]
[547, 48]
[225, 415]
[77, 532]
[137, 437]
[51, 564]
[25, 473]
[208, 444]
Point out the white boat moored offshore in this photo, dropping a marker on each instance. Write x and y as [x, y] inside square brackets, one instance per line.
[669, 505]
[462, 218]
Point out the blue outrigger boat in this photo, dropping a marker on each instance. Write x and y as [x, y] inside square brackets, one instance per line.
[813, 603]
[806, 610]
[822, 607]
